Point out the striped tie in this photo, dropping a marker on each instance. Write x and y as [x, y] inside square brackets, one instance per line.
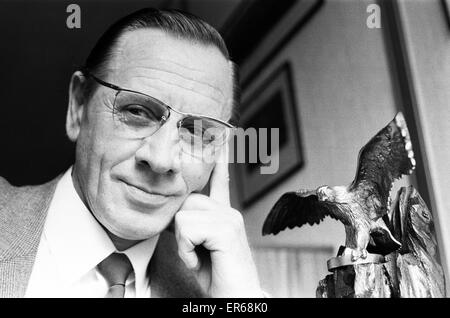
[115, 269]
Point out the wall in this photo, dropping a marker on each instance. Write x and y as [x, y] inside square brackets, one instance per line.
[428, 46]
[344, 95]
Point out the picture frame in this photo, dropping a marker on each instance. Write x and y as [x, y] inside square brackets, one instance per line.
[446, 9]
[271, 105]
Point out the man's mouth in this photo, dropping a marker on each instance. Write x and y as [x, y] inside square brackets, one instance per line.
[145, 196]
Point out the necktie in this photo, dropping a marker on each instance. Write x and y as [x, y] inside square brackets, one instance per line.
[115, 268]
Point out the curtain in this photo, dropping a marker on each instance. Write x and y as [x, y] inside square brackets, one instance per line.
[291, 272]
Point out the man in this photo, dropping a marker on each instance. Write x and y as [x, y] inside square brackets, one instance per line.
[128, 219]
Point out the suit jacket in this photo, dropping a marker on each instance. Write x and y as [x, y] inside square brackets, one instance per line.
[22, 216]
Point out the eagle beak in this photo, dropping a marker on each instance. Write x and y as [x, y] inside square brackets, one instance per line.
[321, 194]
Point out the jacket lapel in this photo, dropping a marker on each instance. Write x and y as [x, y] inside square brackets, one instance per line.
[169, 277]
[22, 216]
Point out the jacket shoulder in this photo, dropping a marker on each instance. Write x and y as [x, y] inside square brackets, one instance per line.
[7, 191]
[22, 213]
[10, 194]
[4, 186]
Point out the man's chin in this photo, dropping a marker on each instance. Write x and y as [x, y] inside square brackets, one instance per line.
[140, 225]
[134, 234]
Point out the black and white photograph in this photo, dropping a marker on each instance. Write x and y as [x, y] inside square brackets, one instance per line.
[225, 149]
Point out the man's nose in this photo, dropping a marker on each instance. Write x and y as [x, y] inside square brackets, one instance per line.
[161, 151]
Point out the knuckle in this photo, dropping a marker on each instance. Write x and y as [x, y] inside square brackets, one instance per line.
[183, 232]
[194, 200]
[235, 223]
[237, 218]
[181, 253]
[180, 220]
[178, 217]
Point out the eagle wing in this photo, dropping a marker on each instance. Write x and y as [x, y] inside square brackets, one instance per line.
[385, 158]
[295, 209]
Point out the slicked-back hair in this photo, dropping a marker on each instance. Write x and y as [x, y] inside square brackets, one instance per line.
[174, 22]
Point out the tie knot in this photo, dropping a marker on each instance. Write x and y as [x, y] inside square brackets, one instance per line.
[115, 268]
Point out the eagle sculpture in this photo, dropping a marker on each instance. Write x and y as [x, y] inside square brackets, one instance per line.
[363, 205]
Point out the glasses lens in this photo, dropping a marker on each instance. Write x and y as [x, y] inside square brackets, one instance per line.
[138, 115]
[199, 135]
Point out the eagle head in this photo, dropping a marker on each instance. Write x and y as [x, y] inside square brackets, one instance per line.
[337, 194]
[325, 193]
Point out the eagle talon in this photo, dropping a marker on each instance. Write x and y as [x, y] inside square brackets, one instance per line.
[364, 254]
[358, 254]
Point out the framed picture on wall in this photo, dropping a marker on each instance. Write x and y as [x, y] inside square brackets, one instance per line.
[446, 9]
[272, 108]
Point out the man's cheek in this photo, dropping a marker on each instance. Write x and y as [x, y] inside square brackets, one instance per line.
[196, 176]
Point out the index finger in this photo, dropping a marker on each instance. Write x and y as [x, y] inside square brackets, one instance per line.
[220, 179]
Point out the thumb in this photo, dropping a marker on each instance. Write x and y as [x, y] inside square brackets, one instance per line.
[186, 251]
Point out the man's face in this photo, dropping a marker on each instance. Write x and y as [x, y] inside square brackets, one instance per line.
[134, 187]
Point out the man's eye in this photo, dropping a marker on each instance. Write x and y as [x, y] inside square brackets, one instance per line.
[198, 131]
[193, 129]
[140, 112]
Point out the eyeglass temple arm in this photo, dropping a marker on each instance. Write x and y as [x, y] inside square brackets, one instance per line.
[89, 74]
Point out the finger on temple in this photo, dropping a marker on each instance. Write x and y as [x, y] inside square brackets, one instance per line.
[219, 185]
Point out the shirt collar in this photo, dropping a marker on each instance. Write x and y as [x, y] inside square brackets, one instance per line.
[139, 256]
[77, 241]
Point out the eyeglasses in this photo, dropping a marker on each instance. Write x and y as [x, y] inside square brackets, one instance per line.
[138, 115]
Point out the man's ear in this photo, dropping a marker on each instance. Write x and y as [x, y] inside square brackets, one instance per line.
[76, 106]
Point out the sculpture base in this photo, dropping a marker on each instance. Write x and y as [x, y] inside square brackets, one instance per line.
[346, 260]
[367, 280]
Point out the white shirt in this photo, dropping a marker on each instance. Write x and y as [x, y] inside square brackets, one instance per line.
[72, 244]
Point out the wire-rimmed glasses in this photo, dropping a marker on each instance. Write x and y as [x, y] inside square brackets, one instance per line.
[139, 115]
